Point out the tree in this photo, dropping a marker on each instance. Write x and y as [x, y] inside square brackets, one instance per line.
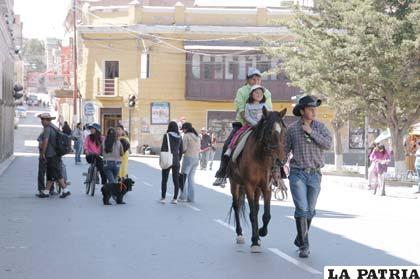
[359, 55]
[34, 54]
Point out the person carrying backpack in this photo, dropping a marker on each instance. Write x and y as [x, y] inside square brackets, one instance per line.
[51, 152]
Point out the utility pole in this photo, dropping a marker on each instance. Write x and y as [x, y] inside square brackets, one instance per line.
[75, 91]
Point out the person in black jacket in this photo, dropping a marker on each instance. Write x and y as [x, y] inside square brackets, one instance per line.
[175, 141]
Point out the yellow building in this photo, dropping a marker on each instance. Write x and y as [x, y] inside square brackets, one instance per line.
[181, 63]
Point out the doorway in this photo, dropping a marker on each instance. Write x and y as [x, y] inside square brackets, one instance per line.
[110, 117]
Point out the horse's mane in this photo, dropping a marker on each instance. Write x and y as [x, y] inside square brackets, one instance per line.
[262, 131]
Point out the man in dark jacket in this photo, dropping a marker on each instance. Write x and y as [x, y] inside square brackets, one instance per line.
[205, 148]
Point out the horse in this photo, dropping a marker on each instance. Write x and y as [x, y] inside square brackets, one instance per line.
[251, 174]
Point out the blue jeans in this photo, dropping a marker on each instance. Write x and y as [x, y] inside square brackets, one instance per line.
[189, 166]
[111, 169]
[78, 148]
[305, 187]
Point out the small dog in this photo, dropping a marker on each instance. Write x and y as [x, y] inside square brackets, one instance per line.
[116, 190]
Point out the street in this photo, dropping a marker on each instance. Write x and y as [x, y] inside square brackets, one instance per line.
[79, 237]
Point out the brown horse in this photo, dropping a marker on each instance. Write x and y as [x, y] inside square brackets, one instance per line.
[251, 174]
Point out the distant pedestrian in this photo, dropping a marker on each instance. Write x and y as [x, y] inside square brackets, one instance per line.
[112, 151]
[417, 164]
[78, 142]
[212, 150]
[125, 142]
[205, 148]
[66, 128]
[191, 151]
[174, 139]
[48, 153]
[371, 167]
[380, 159]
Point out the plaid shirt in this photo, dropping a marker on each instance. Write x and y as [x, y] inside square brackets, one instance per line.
[307, 154]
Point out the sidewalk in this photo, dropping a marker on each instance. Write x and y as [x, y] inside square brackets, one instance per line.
[6, 163]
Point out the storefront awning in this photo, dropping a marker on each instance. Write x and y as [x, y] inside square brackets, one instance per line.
[415, 129]
[383, 136]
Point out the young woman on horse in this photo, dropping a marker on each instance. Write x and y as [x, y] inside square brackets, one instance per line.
[242, 95]
[253, 113]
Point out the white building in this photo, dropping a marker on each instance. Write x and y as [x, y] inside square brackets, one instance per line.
[8, 47]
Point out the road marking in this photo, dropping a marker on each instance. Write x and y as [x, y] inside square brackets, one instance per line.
[224, 224]
[147, 183]
[31, 143]
[135, 177]
[294, 261]
[29, 126]
[191, 206]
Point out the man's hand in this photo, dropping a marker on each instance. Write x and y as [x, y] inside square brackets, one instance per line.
[307, 129]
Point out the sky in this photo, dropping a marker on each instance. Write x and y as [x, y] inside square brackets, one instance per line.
[42, 18]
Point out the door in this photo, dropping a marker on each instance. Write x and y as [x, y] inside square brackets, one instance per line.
[110, 117]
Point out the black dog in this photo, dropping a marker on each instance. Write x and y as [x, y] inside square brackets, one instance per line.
[116, 190]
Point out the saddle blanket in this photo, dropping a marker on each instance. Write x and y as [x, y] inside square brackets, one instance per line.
[240, 145]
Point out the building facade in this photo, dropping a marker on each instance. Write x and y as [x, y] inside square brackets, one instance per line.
[8, 51]
[182, 63]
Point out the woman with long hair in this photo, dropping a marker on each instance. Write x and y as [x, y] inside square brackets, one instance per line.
[380, 159]
[191, 151]
[93, 149]
[112, 150]
[175, 143]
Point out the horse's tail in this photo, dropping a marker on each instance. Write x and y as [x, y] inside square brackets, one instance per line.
[241, 206]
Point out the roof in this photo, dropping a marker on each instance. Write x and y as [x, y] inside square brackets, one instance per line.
[251, 3]
[171, 3]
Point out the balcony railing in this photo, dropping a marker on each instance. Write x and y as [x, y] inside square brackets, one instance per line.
[107, 87]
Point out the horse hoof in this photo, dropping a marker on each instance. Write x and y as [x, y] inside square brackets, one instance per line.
[256, 249]
[240, 239]
[262, 232]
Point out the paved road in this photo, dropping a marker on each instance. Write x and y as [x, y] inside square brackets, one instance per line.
[80, 238]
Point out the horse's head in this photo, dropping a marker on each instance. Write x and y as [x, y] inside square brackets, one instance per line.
[271, 132]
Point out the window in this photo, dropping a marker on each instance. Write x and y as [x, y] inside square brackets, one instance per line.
[207, 67]
[264, 66]
[218, 69]
[242, 68]
[145, 66]
[229, 67]
[112, 69]
[196, 66]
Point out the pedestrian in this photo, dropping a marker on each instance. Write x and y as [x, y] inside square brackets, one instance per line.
[242, 95]
[125, 142]
[42, 167]
[191, 150]
[212, 150]
[307, 139]
[48, 153]
[371, 167]
[380, 159]
[113, 151]
[417, 164]
[93, 149]
[253, 113]
[173, 138]
[78, 142]
[66, 128]
[204, 149]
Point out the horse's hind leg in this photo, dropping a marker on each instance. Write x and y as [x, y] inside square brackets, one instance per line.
[266, 216]
[236, 205]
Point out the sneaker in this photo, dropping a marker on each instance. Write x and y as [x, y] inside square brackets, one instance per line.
[65, 194]
[174, 201]
[218, 182]
[163, 201]
[41, 195]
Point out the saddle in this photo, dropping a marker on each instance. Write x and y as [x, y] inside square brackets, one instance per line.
[240, 144]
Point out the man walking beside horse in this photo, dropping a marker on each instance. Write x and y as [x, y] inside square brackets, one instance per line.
[307, 139]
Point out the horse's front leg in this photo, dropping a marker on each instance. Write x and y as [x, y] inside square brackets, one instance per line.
[253, 217]
[266, 216]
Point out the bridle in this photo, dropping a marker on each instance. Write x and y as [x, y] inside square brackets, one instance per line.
[268, 149]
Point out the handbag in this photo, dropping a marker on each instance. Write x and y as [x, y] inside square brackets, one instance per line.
[166, 157]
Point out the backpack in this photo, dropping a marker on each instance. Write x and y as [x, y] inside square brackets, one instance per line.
[62, 144]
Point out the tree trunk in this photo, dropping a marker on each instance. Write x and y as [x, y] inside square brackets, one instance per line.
[338, 147]
[398, 150]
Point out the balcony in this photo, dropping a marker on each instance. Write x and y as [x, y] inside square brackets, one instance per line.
[107, 88]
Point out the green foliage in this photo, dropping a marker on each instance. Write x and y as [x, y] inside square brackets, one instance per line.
[34, 54]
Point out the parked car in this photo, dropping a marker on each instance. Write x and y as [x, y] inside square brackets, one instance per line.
[20, 111]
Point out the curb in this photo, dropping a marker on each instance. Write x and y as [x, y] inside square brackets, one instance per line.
[392, 183]
[142, 156]
[6, 163]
